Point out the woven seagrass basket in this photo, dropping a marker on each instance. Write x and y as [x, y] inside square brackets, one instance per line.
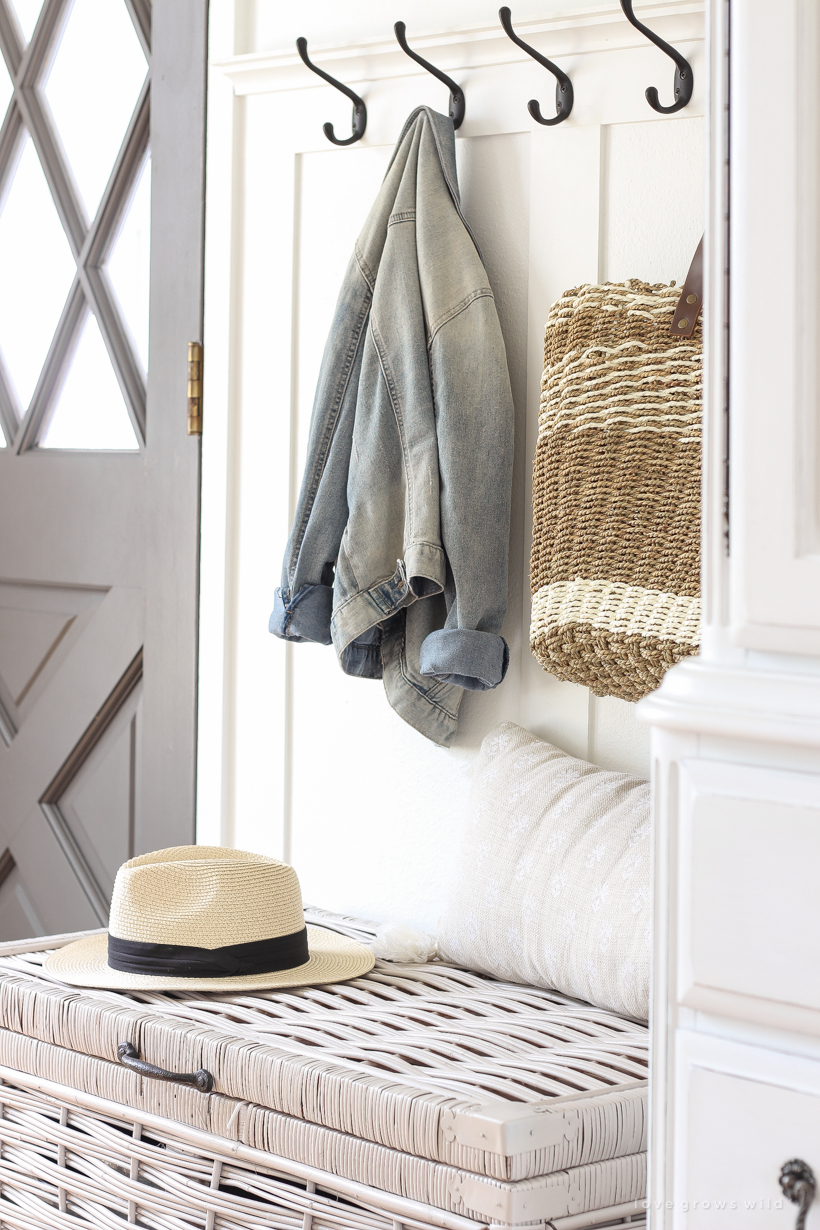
[615, 569]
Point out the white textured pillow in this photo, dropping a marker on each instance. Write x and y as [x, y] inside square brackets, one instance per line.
[553, 882]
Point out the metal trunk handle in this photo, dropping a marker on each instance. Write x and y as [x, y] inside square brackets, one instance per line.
[129, 1057]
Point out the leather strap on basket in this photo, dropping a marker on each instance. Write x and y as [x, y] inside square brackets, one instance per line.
[691, 298]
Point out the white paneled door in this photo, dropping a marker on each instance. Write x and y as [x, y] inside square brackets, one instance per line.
[101, 225]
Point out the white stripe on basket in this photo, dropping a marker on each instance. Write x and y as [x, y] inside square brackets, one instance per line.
[615, 607]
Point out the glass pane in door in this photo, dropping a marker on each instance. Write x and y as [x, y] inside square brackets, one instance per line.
[26, 12]
[58, 270]
[99, 57]
[90, 412]
[36, 272]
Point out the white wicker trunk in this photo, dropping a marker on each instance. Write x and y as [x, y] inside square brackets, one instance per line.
[418, 1095]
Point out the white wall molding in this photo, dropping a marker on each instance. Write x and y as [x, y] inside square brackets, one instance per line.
[767, 1013]
[603, 28]
[780, 706]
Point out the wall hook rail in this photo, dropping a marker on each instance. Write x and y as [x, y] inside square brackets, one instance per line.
[457, 102]
[564, 96]
[359, 109]
[684, 77]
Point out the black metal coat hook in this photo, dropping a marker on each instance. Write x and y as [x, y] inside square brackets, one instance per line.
[564, 97]
[684, 77]
[457, 104]
[359, 109]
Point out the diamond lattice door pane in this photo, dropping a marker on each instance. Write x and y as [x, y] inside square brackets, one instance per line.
[27, 12]
[129, 263]
[6, 89]
[36, 272]
[90, 412]
[99, 58]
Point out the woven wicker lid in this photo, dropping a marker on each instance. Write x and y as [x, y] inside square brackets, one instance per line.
[196, 898]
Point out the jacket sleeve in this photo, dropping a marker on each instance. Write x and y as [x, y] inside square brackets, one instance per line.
[474, 426]
[303, 604]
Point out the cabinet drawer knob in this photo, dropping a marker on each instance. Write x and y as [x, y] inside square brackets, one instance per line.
[799, 1185]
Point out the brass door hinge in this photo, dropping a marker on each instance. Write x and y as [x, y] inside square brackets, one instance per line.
[194, 388]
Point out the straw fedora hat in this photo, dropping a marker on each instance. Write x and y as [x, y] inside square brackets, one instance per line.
[202, 918]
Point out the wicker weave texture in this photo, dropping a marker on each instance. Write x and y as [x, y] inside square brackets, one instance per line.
[63, 1168]
[615, 568]
[383, 1058]
[615, 1130]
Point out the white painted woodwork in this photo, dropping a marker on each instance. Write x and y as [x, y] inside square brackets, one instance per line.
[775, 566]
[295, 758]
[748, 834]
[736, 732]
[744, 1112]
[99, 563]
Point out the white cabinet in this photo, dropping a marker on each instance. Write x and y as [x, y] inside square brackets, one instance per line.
[775, 556]
[745, 1113]
[749, 905]
[736, 732]
[735, 1085]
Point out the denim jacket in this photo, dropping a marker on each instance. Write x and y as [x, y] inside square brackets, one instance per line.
[398, 552]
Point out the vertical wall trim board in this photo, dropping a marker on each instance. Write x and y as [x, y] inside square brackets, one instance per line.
[288, 754]
[807, 277]
[603, 219]
[725, 286]
[715, 484]
[294, 476]
[233, 518]
[294, 479]
[222, 303]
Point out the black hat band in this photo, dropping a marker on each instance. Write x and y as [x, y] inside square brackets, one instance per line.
[234, 960]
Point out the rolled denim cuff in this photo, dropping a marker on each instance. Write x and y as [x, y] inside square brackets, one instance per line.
[476, 661]
[305, 617]
[363, 657]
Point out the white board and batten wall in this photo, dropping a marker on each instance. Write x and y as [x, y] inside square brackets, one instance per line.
[295, 758]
